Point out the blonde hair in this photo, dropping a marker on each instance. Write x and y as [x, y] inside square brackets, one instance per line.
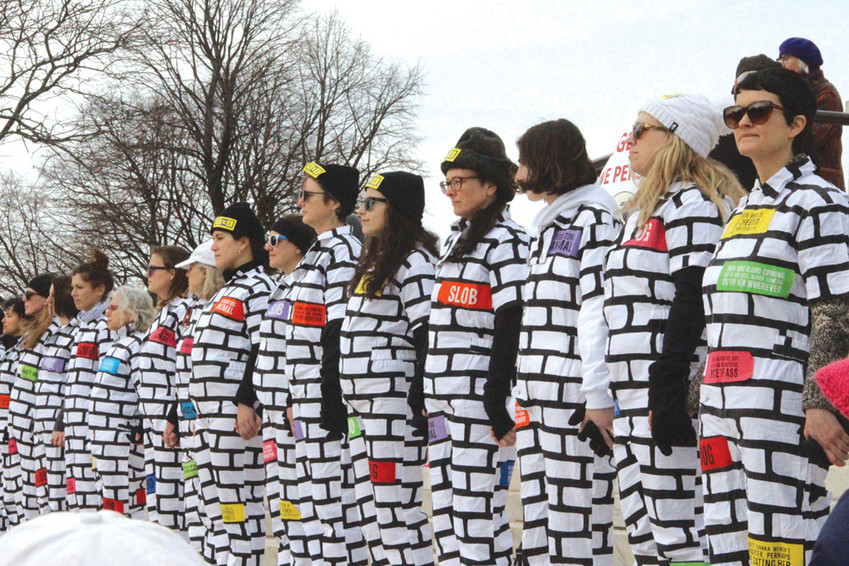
[676, 161]
[35, 327]
[213, 280]
[135, 306]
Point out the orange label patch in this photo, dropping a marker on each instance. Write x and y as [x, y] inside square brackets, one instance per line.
[309, 314]
[522, 417]
[4, 401]
[165, 336]
[465, 295]
[87, 350]
[381, 472]
[728, 366]
[652, 236]
[714, 453]
[231, 308]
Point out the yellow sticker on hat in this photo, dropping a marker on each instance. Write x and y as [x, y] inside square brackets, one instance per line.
[233, 512]
[313, 169]
[288, 511]
[783, 553]
[676, 95]
[374, 182]
[224, 223]
[452, 155]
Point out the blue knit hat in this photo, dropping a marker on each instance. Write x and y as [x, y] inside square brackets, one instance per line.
[804, 49]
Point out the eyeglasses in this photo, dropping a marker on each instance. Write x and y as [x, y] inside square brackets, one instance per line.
[368, 202]
[274, 239]
[152, 268]
[641, 127]
[758, 113]
[305, 195]
[456, 183]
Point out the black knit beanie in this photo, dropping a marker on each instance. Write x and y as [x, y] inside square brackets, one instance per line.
[339, 181]
[293, 227]
[405, 191]
[41, 283]
[239, 220]
[482, 151]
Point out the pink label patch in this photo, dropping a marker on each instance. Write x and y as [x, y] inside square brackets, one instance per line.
[269, 451]
[652, 236]
[71, 485]
[727, 366]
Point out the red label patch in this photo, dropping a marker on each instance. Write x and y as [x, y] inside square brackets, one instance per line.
[71, 485]
[87, 350]
[186, 345]
[231, 308]
[714, 453]
[727, 366]
[522, 417]
[382, 472]
[653, 236]
[4, 401]
[465, 295]
[269, 451]
[113, 505]
[165, 336]
[309, 314]
[13, 446]
[140, 497]
[41, 477]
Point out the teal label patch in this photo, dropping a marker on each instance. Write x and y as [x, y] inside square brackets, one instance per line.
[757, 278]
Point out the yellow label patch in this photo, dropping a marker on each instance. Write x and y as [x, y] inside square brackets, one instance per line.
[764, 553]
[452, 155]
[361, 286]
[93, 467]
[676, 95]
[224, 223]
[749, 222]
[288, 511]
[374, 182]
[233, 512]
[313, 169]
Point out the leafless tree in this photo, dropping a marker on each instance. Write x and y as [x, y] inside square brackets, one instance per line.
[50, 51]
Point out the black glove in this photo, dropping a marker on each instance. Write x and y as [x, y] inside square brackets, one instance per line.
[671, 424]
[419, 424]
[597, 443]
[334, 416]
[134, 431]
[285, 424]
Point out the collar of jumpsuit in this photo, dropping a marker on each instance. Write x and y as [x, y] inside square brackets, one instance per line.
[244, 268]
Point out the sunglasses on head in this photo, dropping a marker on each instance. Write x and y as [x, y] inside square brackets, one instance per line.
[758, 113]
[368, 202]
[641, 127]
[274, 239]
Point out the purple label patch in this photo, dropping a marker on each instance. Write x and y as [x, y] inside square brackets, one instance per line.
[565, 243]
[436, 429]
[299, 432]
[49, 363]
[280, 310]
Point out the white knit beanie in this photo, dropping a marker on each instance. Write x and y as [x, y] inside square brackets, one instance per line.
[691, 117]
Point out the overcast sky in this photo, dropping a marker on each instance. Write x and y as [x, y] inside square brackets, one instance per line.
[507, 65]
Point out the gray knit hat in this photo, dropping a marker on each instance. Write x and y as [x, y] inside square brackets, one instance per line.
[691, 117]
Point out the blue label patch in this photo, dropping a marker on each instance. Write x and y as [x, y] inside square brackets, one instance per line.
[506, 473]
[616, 411]
[150, 483]
[109, 365]
[50, 363]
[189, 411]
[565, 243]
[281, 310]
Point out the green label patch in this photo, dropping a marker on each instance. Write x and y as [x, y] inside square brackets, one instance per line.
[30, 373]
[354, 427]
[757, 278]
[190, 469]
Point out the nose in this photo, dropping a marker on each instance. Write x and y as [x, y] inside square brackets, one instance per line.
[630, 139]
[301, 202]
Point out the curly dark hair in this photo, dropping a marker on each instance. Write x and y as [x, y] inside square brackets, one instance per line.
[383, 255]
[96, 271]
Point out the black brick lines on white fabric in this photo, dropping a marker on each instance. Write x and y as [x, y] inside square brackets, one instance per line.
[785, 247]
[639, 289]
[11, 463]
[470, 474]
[230, 469]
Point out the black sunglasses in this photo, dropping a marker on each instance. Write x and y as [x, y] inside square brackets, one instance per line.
[368, 202]
[758, 113]
[30, 294]
[152, 268]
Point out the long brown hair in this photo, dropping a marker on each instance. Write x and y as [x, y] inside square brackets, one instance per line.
[384, 255]
[171, 256]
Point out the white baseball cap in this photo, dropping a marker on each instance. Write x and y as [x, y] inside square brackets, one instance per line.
[104, 538]
[202, 254]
